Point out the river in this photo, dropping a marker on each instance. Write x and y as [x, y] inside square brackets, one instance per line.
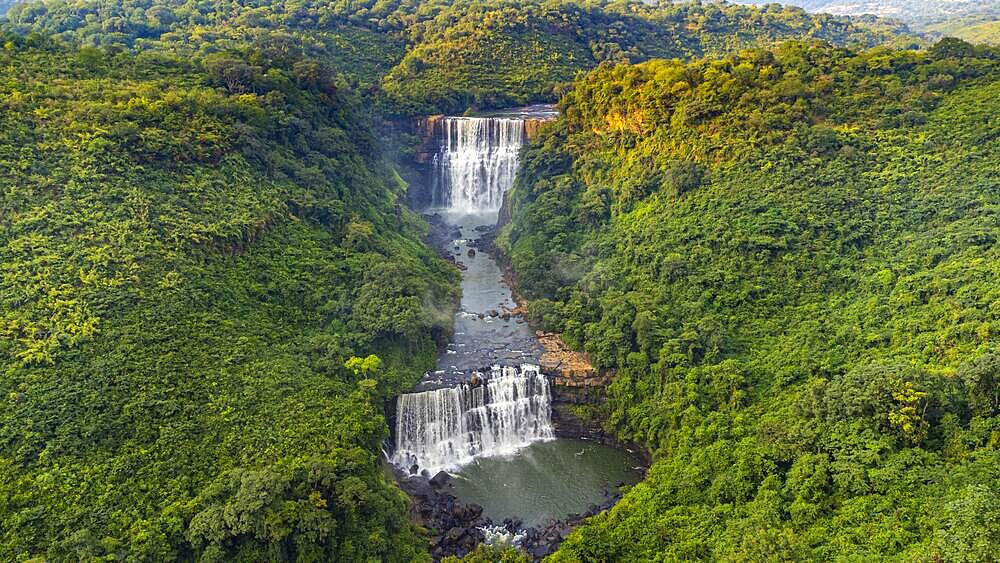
[483, 415]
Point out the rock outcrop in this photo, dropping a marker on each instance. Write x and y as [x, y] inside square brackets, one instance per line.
[454, 527]
[567, 367]
[577, 388]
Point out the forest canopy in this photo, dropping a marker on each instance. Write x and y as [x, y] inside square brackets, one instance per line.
[784, 251]
[788, 258]
[423, 57]
[195, 257]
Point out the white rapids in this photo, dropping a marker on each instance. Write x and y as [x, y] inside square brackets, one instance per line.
[476, 162]
[443, 429]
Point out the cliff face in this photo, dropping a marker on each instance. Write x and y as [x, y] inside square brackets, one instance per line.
[578, 390]
[567, 367]
[531, 126]
[427, 129]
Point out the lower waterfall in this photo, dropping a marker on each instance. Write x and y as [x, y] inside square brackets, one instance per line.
[446, 428]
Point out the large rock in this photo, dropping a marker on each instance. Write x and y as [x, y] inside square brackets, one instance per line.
[454, 534]
[440, 479]
[417, 487]
[468, 512]
[567, 366]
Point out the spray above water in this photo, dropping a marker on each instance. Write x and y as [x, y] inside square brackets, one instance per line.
[500, 536]
[446, 428]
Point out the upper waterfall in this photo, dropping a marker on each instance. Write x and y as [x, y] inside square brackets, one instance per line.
[476, 161]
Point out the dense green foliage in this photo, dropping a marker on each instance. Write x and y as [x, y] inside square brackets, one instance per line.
[209, 284]
[790, 258]
[491, 554]
[520, 51]
[420, 57]
[191, 257]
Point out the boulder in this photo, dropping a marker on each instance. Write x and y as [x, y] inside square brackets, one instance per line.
[539, 551]
[454, 534]
[472, 252]
[440, 479]
[512, 524]
[468, 542]
[468, 512]
[417, 487]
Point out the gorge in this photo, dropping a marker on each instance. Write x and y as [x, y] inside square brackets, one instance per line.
[480, 426]
[246, 249]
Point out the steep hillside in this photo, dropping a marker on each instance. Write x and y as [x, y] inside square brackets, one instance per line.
[506, 53]
[419, 57]
[789, 258]
[208, 287]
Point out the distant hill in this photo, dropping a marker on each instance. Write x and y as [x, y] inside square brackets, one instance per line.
[919, 12]
[5, 5]
[434, 56]
[973, 29]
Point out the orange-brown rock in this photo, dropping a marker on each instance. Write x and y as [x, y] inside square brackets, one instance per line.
[532, 125]
[568, 367]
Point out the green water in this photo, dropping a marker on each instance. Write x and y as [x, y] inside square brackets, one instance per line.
[546, 480]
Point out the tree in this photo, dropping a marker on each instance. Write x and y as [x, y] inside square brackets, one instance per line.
[363, 366]
[982, 382]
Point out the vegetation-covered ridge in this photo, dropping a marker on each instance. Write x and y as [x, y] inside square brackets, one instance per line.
[790, 257]
[985, 29]
[208, 288]
[422, 57]
[919, 12]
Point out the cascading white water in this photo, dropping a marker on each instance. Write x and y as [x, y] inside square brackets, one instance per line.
[477, 161]
[446, 428]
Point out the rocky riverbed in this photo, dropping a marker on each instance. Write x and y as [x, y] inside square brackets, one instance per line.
[457, 527]
[491, 328]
